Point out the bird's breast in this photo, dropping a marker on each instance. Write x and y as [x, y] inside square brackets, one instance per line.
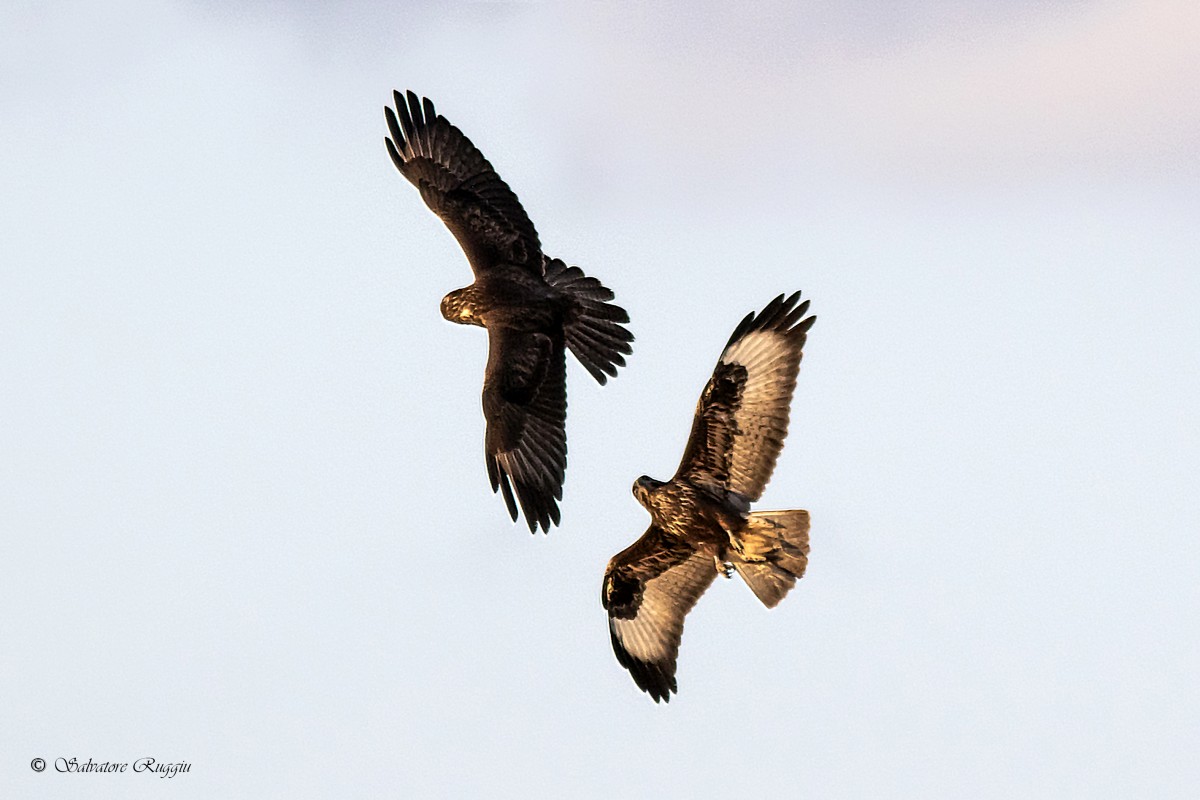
[685, 512]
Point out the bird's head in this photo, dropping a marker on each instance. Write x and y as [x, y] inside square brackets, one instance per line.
[459, 306]
[642, 488]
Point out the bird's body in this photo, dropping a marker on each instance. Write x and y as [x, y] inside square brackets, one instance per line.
[701, 521]
[691, 513]
[534, 308]
[507, 296]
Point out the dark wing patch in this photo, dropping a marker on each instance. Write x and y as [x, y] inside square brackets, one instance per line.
[714, 428]
[648, 589]
[460, 186]
[742, 417]
[525, 405]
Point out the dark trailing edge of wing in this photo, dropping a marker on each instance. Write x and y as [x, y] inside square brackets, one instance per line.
[539, 506]
[655, 678]
[652, 678]
[649, 588]
[781, 314]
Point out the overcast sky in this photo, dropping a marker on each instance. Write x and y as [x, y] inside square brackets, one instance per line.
[246, 520]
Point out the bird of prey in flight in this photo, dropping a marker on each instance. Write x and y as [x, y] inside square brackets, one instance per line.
[533, 307]
[700, 520]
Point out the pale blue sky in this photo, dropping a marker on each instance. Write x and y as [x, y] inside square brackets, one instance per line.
[246, 521]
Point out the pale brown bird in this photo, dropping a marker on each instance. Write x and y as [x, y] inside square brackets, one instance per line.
[533, 308]
[701, 523]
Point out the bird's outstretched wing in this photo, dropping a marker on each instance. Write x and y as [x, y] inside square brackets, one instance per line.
[742, 417]
[525, 405]
[460, 186]
[648, 589]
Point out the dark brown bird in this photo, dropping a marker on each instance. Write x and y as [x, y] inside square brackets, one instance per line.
[532, 306]
[701, 523]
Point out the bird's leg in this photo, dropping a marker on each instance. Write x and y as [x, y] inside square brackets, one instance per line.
[724, 567]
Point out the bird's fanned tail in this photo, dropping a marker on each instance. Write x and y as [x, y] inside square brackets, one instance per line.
[773, 553]
[595, 334]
